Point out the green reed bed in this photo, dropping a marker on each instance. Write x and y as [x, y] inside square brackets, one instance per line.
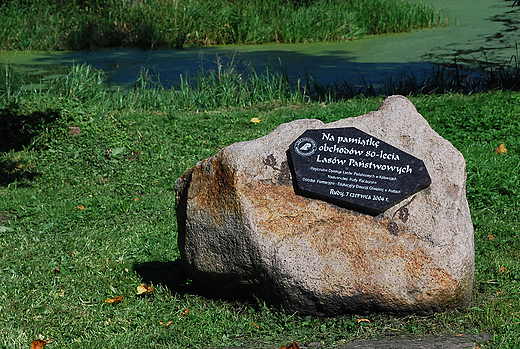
[90, 24]
[89, 216]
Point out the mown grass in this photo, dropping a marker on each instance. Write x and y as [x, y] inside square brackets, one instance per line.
[90, 24]
[90, 216]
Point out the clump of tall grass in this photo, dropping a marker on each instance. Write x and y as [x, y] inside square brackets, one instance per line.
[228, 86]
[90, 24]
[381, 16]
[440, 79]
[84, 87]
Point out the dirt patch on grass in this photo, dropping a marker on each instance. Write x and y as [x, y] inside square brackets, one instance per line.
[461, 341]
[426, 342]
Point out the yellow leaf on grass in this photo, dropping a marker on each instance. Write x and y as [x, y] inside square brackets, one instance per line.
[81, 207]
[255, 120]
[114, 300]
[363, 320]
[144, 288]
[501, 149]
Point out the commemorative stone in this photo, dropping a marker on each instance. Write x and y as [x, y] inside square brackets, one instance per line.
[350, 168]
[367, 213]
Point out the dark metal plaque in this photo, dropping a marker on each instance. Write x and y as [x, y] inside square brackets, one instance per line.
[352, 169]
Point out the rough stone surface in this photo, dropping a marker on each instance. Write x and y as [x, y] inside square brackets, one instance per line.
[243, 229]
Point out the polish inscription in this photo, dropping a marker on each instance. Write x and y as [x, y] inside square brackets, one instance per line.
[353, 169]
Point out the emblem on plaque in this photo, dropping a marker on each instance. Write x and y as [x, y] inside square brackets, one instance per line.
[305, 146]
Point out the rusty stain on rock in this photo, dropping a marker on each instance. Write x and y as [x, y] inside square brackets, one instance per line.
[215, 190]
[344, 236]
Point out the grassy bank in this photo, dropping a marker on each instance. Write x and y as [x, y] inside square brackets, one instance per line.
[91, 24]
[87, 215]
[226, 86]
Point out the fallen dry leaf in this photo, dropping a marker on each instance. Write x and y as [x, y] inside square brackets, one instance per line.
[255, 120]
[81, 207]
[363, 320]
[501, 149]
[185, 312]
[115, 300]
[503, 269]
[292, 346]
[38, 344]
[491, 237]
[144, 288]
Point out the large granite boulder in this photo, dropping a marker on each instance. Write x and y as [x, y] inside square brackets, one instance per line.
[242, 228]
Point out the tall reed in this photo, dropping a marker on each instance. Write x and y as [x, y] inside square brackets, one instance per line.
[90, 24]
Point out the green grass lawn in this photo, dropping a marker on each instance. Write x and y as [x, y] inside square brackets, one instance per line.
[89, 217]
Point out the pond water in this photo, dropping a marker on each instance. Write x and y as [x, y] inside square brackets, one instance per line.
[482, 32]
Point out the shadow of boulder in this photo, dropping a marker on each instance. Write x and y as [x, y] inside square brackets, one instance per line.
[169, 274]
[173, 276]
